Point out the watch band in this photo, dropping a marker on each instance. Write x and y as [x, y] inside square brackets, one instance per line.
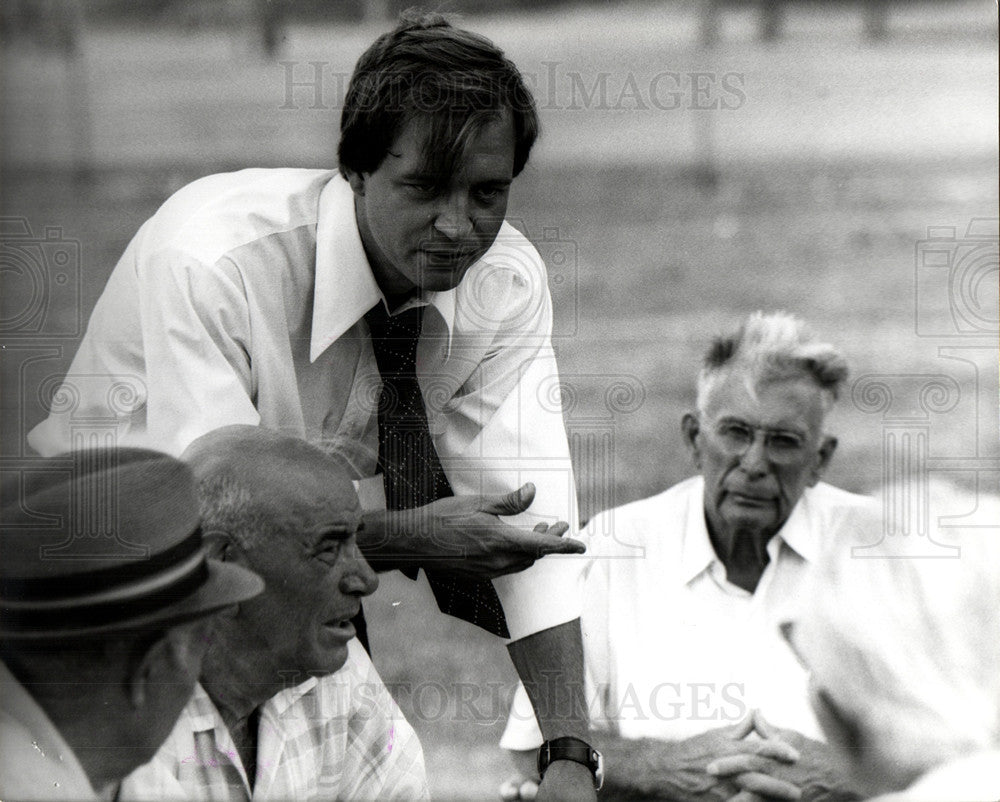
[572, 749]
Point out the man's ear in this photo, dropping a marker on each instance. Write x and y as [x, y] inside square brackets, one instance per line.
[219, 546]
[175, 654]
[823, 457]
[145, 668]
[690, 427]
[355, 179]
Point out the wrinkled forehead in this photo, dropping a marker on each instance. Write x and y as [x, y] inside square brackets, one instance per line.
[792, 401]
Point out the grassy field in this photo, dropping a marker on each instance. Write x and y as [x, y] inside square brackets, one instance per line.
[818, 208]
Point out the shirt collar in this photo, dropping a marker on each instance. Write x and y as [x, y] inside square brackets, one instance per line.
[344, 287]
[698, 554]
[203, 716]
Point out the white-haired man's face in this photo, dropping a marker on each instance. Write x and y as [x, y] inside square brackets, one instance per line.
[758, 449]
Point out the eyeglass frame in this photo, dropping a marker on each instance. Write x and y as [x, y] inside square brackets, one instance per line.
[801, 450]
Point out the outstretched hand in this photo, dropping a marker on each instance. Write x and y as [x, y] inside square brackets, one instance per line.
[464, 534]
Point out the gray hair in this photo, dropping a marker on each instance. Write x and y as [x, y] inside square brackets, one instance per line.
[907, 646]
[772, 347]
[228, 508]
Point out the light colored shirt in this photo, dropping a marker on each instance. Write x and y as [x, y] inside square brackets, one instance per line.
[35, 762]
[242, 301]
[338, 737]
[671, 647]
[974, 778]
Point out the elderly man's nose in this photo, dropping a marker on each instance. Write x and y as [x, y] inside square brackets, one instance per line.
[358, 578]
[755, 459]
[453, 219]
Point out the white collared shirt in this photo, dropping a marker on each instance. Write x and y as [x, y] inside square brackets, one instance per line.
[671, 647]
[242, 301]
[337, 737]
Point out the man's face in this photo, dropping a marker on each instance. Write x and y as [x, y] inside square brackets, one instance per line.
[422, 231]
[758, 451]
[314, 573]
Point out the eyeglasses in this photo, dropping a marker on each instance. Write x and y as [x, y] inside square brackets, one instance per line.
[782, 447]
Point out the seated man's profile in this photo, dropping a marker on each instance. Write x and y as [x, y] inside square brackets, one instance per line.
[687, 588]
[289, 706]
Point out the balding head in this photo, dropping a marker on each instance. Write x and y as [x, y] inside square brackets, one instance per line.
[287, 510]
[251, 479]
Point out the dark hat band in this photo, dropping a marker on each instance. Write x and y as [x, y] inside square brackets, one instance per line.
[108, 595]
[71, 587]
[106, 607]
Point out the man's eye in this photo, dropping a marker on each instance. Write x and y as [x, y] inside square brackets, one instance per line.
[488, 194]
[736, 433]
[330, 554]
[424, 189]
[785, 442]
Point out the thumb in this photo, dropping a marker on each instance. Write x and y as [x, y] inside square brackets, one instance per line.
[511, 503]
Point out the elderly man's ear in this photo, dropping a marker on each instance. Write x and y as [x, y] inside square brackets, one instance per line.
[219, 546]
[823, 457]
[689, 431]
[174, 654]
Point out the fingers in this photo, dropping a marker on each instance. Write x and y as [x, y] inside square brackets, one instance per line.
[542, 543]
[747, 796]
[764, 728]
[510, 504]
[741, 729]
[739, 764]
[767, 786]
[777, 749]
[558, 529]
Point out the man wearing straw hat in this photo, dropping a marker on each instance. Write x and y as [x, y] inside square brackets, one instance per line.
[102, 636]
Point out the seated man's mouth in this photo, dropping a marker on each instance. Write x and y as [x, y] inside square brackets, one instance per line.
[341, 627]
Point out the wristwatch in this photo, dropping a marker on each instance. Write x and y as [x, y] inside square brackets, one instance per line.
[572, 749]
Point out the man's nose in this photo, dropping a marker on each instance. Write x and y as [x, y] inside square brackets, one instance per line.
[453, 218]
[755, 461]
[359, 578]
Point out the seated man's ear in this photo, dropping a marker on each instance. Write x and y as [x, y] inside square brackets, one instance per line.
[355, 179]
[690, 427]
[823, 457]
[175, 656]
[219, 546]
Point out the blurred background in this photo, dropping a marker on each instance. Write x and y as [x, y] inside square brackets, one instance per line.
[698, 161]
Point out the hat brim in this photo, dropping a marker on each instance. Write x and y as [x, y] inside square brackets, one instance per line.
[227, 584]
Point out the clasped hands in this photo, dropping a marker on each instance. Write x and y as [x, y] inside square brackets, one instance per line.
[778, 764]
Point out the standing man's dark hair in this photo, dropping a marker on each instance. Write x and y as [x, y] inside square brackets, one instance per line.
[425, 68]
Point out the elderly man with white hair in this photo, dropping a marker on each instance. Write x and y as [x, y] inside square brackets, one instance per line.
[905, 662]
[686, 590]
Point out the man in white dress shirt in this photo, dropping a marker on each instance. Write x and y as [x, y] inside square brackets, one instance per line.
[289, 706]
[254, 298]
[687, 588]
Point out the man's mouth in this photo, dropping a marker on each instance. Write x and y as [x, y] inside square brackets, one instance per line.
[340, 627]
[751, 499]
[446, 258]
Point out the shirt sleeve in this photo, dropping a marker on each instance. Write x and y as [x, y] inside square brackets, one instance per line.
[384, 759]
[506, 428]
[196, 332]
[164, 360]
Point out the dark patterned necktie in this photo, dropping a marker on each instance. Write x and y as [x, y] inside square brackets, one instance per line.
[411, 471]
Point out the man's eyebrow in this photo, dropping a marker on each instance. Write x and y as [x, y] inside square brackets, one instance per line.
[337, 531]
